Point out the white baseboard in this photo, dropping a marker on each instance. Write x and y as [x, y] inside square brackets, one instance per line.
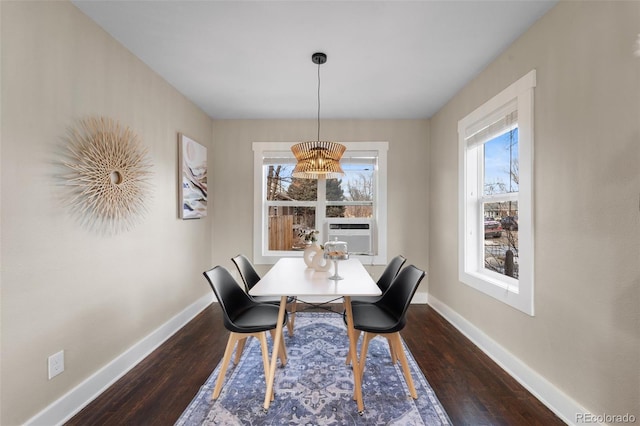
[420, 298]
[557, 401]
[73, 401]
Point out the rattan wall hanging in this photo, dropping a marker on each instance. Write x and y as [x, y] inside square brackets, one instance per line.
[109, 183]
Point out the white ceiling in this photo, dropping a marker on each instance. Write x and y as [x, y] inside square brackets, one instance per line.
[252, 59]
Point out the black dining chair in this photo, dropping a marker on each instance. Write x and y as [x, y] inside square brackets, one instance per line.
[387, 316]
[250, 278]
[384, 282]
[243, 317]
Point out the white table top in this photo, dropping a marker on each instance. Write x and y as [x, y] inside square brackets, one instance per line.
[292, 277]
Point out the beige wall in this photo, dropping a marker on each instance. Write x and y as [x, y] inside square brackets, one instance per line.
[94, 296]
[64, 287]
[407, 180]
[585, 336]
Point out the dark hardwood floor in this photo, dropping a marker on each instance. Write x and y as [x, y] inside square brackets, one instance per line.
[470, 386]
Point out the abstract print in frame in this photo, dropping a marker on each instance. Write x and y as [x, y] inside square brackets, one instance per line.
[193, 178]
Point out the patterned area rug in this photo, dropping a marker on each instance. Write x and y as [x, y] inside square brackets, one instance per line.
[316, 387]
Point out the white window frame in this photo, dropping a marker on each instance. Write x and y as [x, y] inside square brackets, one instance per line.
[517, 293]
[261, 254]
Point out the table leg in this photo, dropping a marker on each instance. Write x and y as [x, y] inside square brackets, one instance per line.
[355, 363]
[274, 353]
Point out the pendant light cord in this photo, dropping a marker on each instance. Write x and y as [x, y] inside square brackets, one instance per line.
[318, 102]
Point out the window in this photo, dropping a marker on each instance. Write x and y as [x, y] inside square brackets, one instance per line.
[287, 208]
[496, 196]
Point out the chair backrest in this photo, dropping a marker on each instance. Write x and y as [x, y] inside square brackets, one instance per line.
[247, 272]
[229, 294]
[390, 272]
[397, 299]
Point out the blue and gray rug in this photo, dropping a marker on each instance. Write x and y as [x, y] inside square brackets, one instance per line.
[316, 387]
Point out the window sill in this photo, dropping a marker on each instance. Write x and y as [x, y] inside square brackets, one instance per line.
[505, 289]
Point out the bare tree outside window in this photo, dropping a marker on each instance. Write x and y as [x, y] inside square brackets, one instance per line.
[501, 253]
[360, 189]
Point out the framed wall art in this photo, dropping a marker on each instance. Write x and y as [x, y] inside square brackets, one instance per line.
[193, 178]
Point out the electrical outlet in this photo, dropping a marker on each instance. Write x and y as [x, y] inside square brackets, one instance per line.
[56, 364]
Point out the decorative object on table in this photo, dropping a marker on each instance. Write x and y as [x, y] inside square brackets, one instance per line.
[313, 258]
[193, 178]
[110, 174]
[318, 158]
[309, 253]
[313, 253]
[309, 238]
[316, 387]
[336, 250]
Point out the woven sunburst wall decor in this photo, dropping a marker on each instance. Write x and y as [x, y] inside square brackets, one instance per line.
[110, 174]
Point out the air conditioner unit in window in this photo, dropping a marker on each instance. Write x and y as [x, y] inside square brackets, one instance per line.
[356, 232]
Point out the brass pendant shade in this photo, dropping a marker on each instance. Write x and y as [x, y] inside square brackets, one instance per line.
[318, 158]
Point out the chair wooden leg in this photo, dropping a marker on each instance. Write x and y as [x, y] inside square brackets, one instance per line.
[283, 347]
[241, 339]
[268, 395]
[292, 315]
[282, 350]
[239, 350]
[399, 350]
[233, 338]
[265, 357]
[394, 357]
[363, 351]
[282, 353]
[363, 354]
[347, 361]
[265, 351]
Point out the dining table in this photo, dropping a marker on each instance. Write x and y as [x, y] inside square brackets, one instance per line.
[290, 276]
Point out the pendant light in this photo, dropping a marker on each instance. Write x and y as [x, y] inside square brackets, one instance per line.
[318, 158]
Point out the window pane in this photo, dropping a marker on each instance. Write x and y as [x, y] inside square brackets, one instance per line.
[335, 189]
[501, 167]
[501, 237]
[359, 180]
[361, 211]
[303, 190]
[281, 186]
[288, 226]
[356, 185]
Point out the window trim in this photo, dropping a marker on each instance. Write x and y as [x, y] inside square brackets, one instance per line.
[260, 230]
[516, 293]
